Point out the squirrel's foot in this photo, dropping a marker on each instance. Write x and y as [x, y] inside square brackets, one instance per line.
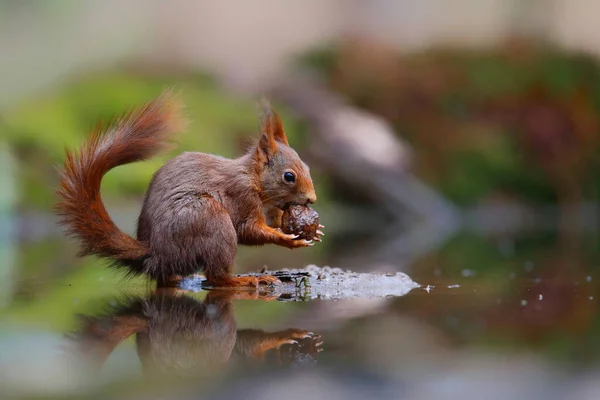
[255, 281]
[243, 281]
[267, 280]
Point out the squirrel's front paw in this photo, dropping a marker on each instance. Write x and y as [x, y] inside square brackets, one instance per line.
[307, 242]
[293, 333]
[319, 233]
[295, 243]
[292, 241]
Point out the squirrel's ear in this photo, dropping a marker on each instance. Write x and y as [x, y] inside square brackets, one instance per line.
[271, 123]
[266, 147]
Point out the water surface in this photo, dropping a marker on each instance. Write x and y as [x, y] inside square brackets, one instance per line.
[501, 317]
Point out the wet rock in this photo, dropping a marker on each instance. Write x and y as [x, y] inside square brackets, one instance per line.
[315, 282]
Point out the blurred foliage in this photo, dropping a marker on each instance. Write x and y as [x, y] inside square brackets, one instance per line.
[40, 129]
[520, 120]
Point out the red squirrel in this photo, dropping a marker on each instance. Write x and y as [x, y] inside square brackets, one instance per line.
[198, 206]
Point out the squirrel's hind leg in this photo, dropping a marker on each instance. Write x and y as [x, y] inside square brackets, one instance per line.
[216, 246]
[199, 235]
[194, 234]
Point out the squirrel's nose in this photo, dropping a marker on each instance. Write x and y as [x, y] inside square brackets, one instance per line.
[311, 198]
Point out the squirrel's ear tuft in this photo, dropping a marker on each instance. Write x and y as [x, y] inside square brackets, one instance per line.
[271, 123]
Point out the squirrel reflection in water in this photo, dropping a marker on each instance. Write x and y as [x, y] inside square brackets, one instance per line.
[179, 335]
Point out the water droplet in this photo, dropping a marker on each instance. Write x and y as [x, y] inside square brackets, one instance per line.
[537, 280]
[101, 278]
[211, 311]
[588, 278]
[523, 303]
[452, 322]
[428, 288]
[591, 297]
[506, 248]
[541, 297]
[453, 286]
[76, 301]
[468, 272]
[529, 266]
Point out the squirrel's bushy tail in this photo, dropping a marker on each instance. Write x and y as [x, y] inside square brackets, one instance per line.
[137, 135]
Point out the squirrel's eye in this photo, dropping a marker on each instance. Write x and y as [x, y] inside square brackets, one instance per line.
[289, 177]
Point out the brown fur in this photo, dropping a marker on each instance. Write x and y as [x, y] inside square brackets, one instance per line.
[198, 206]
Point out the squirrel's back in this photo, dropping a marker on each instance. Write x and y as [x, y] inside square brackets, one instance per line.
[187, 176]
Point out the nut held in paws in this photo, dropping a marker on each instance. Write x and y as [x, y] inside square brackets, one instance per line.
[300, 220]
